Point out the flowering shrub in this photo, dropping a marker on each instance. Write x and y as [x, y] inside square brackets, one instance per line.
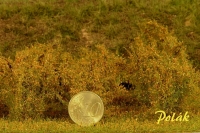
[40, 84]
[43, 78]
[160, 69]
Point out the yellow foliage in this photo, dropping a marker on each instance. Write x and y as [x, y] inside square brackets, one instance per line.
[44, 76]
[163, 75]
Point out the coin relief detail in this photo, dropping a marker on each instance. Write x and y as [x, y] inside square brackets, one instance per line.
[86, 108]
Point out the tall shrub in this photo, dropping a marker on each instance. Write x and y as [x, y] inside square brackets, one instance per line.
[159, 67]
[7, 83]
[40, 84]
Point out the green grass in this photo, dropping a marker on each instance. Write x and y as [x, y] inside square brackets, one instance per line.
[121, 125]
[115, 22]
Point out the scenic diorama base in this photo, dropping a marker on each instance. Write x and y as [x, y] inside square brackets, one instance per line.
[142, 58]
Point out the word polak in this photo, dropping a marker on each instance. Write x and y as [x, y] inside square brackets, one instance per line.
[180, 117]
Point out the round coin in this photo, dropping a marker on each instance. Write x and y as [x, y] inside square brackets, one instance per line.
[86, 108]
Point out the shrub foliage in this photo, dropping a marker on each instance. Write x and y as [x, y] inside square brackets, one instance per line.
[159, 64]
[43, 77]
